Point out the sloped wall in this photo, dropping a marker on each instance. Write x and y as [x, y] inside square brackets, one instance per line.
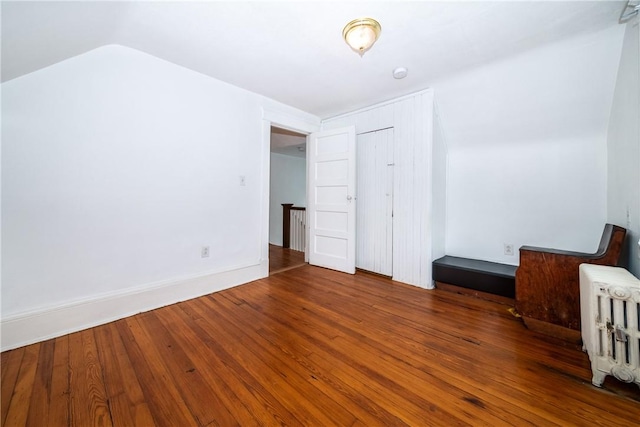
[624, 148]
[117, 168]
[526, 140]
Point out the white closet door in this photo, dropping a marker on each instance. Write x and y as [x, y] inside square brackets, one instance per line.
[374, 213]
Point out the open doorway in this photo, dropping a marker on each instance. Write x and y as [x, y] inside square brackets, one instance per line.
[287, 186]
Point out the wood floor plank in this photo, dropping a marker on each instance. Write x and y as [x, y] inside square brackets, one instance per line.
[320, 334]
[310, 346]
[18, 410]
[60, 391]
[210, 365]
[388, 339]
[360, 394]
[467, 410]
[283, 259]
[42, 386]
[357, 396]
[267, 373]
[88, 400]
[538, 362]
[264, 406]
[326, 399]
[167, 406]
[11, 362]
[126, 400]
[561, 414]
[417, 325]
[186, 374]
[556, 398]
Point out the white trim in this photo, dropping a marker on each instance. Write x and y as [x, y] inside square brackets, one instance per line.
[39, 325]
[265, 192]
[379, 104]
[296, 123]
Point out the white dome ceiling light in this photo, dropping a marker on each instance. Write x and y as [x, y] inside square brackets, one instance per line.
[360, 34]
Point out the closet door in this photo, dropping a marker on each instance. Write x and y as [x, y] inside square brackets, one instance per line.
[374, 213]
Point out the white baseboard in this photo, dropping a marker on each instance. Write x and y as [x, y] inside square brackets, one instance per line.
[28, 328]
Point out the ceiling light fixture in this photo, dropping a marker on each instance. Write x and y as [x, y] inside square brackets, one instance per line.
[360, 34]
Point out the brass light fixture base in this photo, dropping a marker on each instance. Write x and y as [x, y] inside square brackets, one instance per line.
[360, 34]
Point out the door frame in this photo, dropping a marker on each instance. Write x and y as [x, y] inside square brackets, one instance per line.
[301, 123]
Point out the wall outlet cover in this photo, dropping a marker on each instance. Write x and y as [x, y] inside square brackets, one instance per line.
[204, 252]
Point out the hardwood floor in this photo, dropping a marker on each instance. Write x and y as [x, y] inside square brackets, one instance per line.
[281, 259]
[315, 347]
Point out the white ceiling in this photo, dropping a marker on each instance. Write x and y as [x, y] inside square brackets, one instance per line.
[293, 51]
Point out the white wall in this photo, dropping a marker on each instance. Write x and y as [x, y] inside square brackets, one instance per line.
[624, 148]
[527, 148]
[288, 184]
[543, 193]
[117, 168]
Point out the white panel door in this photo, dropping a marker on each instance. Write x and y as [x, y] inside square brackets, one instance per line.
[374, 219]
[332, 207]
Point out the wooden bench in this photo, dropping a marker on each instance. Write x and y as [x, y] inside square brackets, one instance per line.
[548, 286]
[484, 279]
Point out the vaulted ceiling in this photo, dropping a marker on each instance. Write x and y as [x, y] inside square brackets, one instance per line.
[293, 51]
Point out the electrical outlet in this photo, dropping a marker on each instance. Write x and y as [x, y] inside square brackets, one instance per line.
[508, 249]
[204, 252]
